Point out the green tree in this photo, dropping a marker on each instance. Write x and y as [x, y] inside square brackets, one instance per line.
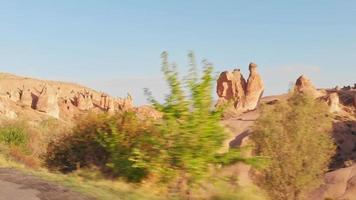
[295, 136]
[190, 131]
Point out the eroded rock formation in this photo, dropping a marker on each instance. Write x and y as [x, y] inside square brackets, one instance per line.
[305, 86]
[232, 87]
[339, 100]
[255, 88]
[26, 94]
[334, 102]
[84, 100]
[48, 101]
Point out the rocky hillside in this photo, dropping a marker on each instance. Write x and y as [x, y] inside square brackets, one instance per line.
[244, 96]
[41, 98]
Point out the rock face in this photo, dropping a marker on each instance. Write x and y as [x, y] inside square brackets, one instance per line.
[48, 102]
[232, 87]
[255, 88]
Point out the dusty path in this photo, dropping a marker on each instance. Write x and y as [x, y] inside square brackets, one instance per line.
[15, 185]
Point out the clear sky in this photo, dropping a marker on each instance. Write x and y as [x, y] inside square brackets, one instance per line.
[115, 46]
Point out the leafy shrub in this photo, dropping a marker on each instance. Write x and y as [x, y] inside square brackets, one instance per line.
[78, 148]
[190, 131]
[13, 135]
[295, 136]
[107, 142]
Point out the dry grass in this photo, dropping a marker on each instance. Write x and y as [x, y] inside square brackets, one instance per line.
[98, 188]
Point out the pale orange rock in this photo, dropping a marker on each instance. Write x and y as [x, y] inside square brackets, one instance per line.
[125, 104]
[225, 89]
[232, 87]
[84, 101]
[239, 86]
[5, 109]
[339, 184]
[254, 89]
[305, 86]
[334, 102]
[48, 101]
[26, 97]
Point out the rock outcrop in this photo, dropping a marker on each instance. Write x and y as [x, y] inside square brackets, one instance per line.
[28, 94]
[48, 101]
[305, 86]
[125, 104]
[232, 87]
[254, 89]
[84, 100]
[334, 102]
[339, 100]
[339, 185]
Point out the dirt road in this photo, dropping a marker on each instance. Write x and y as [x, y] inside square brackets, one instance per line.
[15, 185]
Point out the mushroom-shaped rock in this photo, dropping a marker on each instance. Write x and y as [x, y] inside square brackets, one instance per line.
[255, 88]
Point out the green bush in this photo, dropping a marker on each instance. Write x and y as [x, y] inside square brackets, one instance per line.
[190, 131]
[12, 135]
[295, 135]
[106, 142]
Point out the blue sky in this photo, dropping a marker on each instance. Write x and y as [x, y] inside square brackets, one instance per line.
[115, 46]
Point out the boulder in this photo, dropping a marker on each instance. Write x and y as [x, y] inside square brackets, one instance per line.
[254, 89]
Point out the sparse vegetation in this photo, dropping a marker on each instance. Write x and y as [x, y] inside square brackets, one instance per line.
[175, 151]
[295, 136]
[13, 135]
